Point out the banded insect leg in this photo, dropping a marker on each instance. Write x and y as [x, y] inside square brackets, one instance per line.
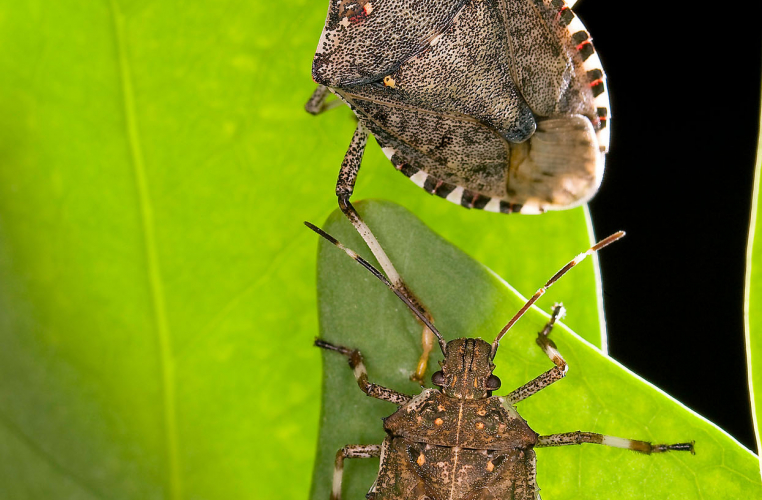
[361, 374]
[579, 437]
[344, 188]
[350, 451]
[549, 348]
[319, 103]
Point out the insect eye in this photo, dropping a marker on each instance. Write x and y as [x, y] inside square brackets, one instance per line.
[438, 378]
[493, 383]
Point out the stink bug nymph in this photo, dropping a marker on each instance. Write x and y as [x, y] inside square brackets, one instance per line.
[499, 105]
[458, 441]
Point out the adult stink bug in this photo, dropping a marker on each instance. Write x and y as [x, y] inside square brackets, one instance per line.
[458, 441]
[499, 105]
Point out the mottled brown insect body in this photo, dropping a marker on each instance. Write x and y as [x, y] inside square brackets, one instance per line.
[457, 441]
[492, 104]
[477, 474]
[498, 105]
[465, 443]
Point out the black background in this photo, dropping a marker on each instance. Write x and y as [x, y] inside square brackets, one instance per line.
[684, 81]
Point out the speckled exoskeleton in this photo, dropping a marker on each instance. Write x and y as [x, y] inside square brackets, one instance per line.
[499, 105]
[458, 441]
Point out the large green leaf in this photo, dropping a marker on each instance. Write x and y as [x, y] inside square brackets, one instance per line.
[753, 302]
[157, 290]
[466, 299]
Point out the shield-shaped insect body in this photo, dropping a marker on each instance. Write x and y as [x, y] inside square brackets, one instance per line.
[493, 104]
[499, 105]
[457, 440]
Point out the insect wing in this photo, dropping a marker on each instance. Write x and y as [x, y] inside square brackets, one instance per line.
[411, 470]
[451, 150]
[466, 71]
[365, 40]
[555, 64]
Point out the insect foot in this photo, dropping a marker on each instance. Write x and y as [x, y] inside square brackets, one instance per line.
[457, 440]
[518, 122]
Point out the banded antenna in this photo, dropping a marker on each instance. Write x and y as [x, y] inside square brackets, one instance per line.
[375, 272]
[539, 293]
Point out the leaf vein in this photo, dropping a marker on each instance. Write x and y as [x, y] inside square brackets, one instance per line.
[154, 271]
[45, 456]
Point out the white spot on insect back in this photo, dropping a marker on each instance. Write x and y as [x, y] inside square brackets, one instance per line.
[419, 178]
[436, 39]
[493, 205]
[344, 22]
[592, 62]
[603, 141]
[576, 25]
[456, 195]
[531, 207]
[389, 152]
[602, 100]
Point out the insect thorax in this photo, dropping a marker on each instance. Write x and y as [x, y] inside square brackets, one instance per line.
[433, 418]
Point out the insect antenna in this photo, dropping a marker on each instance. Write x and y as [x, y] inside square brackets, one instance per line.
[539, 293]
[375, 272]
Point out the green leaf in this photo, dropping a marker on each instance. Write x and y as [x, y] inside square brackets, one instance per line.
[157, 289]
[155, 316]
[753, 302]
[467, 299]
[518, 248]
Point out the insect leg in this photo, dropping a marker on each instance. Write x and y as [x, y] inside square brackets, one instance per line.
[549, 348]
[579, 437]
[541, 291]
[319, 103]
[344, 187]
[361, 375]
[350, 451]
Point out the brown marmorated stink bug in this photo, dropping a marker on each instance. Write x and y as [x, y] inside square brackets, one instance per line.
[459, 441]
[499, 105]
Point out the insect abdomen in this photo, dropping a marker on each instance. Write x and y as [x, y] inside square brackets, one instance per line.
[413, 470]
